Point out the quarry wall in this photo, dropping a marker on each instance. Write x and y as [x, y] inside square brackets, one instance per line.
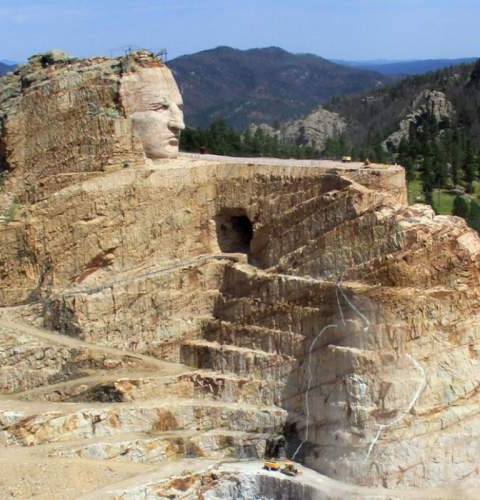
[197, 307]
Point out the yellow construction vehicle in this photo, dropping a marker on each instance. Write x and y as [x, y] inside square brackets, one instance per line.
[346, 159]
[285, 467]
[289, 469]
[275, 456]
[272, 465]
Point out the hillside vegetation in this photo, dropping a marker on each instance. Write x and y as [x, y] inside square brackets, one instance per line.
[378, 113]
[220, 139]
[431, 125]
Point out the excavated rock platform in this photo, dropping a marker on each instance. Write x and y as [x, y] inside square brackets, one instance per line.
[325, 327]
[159, 318]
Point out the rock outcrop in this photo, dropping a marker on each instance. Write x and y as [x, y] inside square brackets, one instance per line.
[312, 130]
[428, 105]
[184, 311]
[64, 120]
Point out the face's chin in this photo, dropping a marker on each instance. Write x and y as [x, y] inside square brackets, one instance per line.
[167, 148]
[157, 138]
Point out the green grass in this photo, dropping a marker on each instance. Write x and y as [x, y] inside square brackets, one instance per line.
[415, 193]
[442, 199]
[443, 202]
[476, 188]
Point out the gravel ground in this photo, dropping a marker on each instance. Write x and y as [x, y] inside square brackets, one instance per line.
[276, 161]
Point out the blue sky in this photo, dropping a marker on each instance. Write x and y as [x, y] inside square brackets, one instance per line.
[341, 29]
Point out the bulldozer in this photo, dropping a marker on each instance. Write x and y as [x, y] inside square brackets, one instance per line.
[289, 469]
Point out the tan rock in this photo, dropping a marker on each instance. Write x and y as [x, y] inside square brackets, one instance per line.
[201, 303]
[153, 101]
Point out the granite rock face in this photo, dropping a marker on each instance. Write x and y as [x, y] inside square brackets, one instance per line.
[185, 311]
[313, 130]
[429, 104]
[65, 120]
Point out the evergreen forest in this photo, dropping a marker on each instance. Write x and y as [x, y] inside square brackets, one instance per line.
[219, 139]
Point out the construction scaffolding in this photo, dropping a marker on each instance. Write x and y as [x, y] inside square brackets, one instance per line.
[128, 49]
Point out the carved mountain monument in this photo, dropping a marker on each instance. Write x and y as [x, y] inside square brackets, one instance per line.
[164, 317]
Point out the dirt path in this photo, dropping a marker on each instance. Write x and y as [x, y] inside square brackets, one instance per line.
[283, 162]
[163, 367]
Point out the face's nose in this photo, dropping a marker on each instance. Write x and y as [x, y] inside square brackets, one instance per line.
[176, 118]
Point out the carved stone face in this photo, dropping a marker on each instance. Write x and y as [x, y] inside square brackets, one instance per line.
[152, 100]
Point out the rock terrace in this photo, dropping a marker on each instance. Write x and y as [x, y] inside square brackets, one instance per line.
[161, 318]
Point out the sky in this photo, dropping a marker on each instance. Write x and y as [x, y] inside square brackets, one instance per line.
[335, 29]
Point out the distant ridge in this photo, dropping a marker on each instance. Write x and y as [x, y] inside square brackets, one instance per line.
[5, 68]
[414, 67]
[8, 62]
[263, 85]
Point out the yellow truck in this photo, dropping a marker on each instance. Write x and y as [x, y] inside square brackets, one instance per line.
[285, 467]
[272, 465]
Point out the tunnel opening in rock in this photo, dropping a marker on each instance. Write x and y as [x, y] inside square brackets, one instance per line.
[234, 231]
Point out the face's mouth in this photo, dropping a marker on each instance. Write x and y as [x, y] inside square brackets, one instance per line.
[173, 141]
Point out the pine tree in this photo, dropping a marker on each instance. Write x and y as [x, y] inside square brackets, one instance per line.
[454, 172]
[410, 169]
[429, 199]
[469, 164]
[427, 176]
[440, 172]
[474, 215]
[461, 207]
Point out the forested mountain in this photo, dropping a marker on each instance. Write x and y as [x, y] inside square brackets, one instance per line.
[404, 68]
[373, 117]
[261, 85]
[431, 125]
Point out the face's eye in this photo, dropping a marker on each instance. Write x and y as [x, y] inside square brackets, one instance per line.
[159, 106]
